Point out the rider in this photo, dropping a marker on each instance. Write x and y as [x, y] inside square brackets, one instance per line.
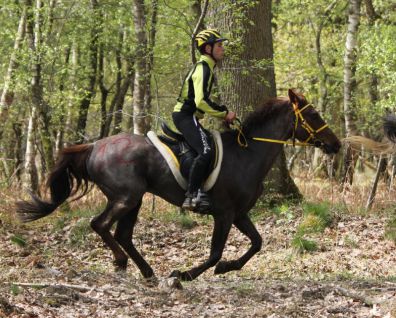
[193, 102]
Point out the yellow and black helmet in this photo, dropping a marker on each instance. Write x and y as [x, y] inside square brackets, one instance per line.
[209, 36]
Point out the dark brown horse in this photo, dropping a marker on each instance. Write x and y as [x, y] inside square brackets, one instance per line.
[126, 166]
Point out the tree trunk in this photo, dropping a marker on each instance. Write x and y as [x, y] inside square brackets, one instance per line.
[7, 94]
[75, 60]
[104, 90]
[17, 127]
[30, 180]
[249, 70]
[350, 85]
[117, 103]
[93, 60]
[150, 60]
[248, 66]
[61, 128]
[44, 114]
[120, 98]
[140, 123]
[373, 77]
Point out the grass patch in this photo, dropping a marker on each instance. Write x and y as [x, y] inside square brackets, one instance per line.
[302, 245]
[15, 290]
[18, 240]
[316, 217]
[390, 230]
[79, 232]
[245, 289]
[183, 220]
[283, 210]
[321, 210]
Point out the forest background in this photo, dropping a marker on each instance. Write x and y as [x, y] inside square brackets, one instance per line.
[77, 71]
[80, 71]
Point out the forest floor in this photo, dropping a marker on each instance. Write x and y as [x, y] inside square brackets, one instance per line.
[57, 267]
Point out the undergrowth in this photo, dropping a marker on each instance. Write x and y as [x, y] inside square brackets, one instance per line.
[315, 218]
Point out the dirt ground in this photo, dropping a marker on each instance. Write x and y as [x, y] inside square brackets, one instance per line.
[59, 268]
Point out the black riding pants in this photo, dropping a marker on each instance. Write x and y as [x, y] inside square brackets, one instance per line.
[198, 139]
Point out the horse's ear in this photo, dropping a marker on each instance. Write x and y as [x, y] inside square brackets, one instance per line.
[293, 97]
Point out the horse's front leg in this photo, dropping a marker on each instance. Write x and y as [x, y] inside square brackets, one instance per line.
[222, 226]
[246, 226]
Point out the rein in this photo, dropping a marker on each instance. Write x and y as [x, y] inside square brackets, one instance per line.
[242, 140]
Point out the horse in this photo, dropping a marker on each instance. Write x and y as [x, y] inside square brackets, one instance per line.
[126, 166]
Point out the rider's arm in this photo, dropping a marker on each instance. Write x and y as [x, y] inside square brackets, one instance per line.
[201, 79]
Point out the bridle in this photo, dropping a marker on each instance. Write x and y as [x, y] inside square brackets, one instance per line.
[242, 140]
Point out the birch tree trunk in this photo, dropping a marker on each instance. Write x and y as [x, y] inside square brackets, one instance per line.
[140, 122]
[30, 179]
[7, 94]
[350, 85]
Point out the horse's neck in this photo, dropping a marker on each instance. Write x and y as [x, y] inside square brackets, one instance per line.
[277, 128]
[264, 153]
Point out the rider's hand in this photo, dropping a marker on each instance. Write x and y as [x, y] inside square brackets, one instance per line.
[230, 117]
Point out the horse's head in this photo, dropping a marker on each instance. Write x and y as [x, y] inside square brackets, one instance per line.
[310, 127]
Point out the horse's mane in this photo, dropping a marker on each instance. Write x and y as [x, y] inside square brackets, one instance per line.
[264, 113]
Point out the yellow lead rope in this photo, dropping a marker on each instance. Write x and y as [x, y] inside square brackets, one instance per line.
[242, 140]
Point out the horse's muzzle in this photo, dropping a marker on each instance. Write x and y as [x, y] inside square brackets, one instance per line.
[331, 148]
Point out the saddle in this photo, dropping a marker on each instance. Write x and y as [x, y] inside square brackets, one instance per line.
[180, 156]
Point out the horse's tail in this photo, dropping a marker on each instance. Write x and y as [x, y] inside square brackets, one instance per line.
[390, 127]
[66, 178]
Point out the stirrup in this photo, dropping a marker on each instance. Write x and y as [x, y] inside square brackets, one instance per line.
[188, 204]
[201, 201]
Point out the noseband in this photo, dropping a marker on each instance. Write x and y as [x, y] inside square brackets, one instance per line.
[242, 140]
[304, 124]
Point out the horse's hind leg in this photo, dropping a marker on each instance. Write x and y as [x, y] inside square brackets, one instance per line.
[102, 224]
[123, 235]
[246, 226]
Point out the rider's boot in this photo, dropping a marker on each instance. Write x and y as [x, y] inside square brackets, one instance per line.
[194, 196]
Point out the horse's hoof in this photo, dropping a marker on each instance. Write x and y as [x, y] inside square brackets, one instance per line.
[176, 274]
[151, 281]
[183, 276]
[120, 266]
